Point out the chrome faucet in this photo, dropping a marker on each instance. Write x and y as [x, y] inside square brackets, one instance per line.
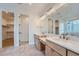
[65, 36]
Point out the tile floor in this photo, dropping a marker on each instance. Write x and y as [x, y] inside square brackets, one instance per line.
[22, 50]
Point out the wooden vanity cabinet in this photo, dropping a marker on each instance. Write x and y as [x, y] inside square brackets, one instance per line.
[54, 49]
[70, 53]
[51, 52]
[37, 42]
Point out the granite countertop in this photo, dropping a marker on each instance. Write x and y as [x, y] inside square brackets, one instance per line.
[68, 44]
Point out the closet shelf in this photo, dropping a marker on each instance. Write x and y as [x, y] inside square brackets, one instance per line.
[8, 38]
[10, 24]
[10, 31]
[4, 26]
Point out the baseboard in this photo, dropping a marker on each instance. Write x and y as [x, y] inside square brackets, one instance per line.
[23, 42]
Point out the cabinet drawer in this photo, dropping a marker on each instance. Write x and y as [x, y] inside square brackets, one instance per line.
[37, 43]
[50, 52]
[55, 54]
[70, 53]
[57, 48]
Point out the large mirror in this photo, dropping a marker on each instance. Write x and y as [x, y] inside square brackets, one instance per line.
[70, 26]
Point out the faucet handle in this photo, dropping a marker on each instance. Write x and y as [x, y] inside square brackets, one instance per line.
[67, 37]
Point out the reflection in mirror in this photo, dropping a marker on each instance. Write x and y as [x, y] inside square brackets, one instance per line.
[75, 28]
[50, 26]
[61, 29]
[56, 26]
[70, 26]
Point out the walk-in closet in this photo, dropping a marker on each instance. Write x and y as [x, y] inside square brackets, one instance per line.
[7, 29]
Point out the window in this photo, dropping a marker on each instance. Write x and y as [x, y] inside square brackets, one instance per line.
[76, 26]
[69, 26]
[61, 30]
[72, 26]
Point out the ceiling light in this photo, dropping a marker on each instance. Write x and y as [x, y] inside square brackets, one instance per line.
[52, 10]
[43, 17]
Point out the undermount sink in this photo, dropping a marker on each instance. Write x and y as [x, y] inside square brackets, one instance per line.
[42, 35]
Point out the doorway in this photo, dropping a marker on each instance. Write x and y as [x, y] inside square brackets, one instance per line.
[7, 29]
[23, 29]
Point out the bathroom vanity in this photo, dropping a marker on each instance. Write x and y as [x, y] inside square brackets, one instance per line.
[54, 46]
[40, 42]
[62, 47]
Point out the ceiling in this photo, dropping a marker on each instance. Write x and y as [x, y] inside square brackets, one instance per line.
[34, 9]
[38, 9]
[68, 11]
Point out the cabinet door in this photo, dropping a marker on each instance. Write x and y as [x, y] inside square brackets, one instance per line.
[70, 53]
[37, 43]
[55, 54]
[57, 48]
[50, 52]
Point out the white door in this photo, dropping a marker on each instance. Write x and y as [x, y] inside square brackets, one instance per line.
[24, 29]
